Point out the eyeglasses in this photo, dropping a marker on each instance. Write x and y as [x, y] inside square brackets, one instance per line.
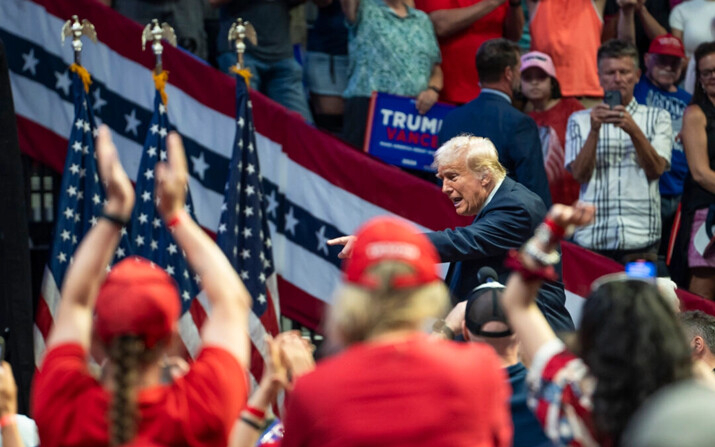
[705, 74]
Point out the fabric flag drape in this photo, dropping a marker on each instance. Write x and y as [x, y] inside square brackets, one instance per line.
[80, 205]
[150, 237]
[243, 233]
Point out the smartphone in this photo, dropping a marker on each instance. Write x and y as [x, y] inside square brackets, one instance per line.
[612, 98]
[641, 269]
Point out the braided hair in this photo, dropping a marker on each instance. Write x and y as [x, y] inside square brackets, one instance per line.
[128, 355]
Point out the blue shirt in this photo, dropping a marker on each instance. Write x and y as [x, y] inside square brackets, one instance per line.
[646, 93]
[527, 430]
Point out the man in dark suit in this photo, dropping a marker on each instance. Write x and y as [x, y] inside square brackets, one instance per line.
[506, 216]
[492, 116]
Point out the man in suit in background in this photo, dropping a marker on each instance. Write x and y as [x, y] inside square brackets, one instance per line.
[506, 216]
[492, 116]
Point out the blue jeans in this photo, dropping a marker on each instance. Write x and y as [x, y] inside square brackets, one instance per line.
[282, 81]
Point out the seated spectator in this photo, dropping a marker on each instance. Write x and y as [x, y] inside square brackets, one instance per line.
[393, 384]
[551, 112]
[618, 156]
[392, 49]
[570, 32]
[462, 27]
[492, 116]
[185, 16]
[326, 65]
[16, 430]
[700, 329]
[274, 70]
[636, 21]
[657, 88]
[630, 344]
[692, 22]
[481, 319]
[137, 307]
[693, 264]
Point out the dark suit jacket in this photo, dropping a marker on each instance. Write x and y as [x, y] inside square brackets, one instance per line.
[506, 222]
[514, 134]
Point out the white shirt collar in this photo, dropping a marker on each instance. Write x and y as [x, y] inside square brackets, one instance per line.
[491, 194]
[497, 92]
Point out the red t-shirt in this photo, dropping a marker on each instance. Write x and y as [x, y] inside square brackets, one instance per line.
[418, 392]
[461, 82]
[70, 406]
[564, 189]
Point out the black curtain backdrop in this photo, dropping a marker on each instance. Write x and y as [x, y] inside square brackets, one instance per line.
[15, 283]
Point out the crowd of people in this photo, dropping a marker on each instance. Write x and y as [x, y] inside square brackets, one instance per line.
[489, 356]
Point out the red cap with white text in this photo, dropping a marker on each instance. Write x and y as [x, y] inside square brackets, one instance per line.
[388, 238]
[668, 45]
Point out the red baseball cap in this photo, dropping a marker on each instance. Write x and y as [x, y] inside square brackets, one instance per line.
[137, 298]
[388, 238]
[667, 44]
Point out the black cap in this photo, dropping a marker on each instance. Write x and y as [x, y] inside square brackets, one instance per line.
[483, 306]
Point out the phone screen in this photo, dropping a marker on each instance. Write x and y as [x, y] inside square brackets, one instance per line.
[641, 269]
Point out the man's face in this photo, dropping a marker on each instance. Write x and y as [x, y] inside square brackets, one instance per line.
[463, 187]
[619, 74]
[663, 70]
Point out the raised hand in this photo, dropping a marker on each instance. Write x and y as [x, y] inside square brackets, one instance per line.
[117, 186]
[172, 178]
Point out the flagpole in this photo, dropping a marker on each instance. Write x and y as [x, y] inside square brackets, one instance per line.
[75, 29]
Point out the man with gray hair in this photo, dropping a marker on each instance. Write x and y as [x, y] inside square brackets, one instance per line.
[617, 151]
[506, 215]
[699, 328]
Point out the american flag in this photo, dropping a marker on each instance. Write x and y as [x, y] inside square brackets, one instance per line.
[80, 204]
[243, 233]
[149, 235]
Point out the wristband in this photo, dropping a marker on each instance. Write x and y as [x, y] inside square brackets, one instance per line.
[175, 219]
[435, 89]
[260, 414]
[115, 219]
[8, 419]
[441, 327]
[253, 424]
[513, 262]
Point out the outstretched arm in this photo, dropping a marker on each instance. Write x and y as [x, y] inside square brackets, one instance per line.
[230, 301]
[84, 277]
[519, 298]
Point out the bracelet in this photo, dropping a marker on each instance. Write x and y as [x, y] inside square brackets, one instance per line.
[260, 414]
[441, 327]
[115, 219]
[251, 423]
[432, 87]
[513, 262]
[540, 256]
[8, 419]
[175, 219]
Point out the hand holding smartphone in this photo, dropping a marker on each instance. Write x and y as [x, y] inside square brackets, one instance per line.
[612, 98]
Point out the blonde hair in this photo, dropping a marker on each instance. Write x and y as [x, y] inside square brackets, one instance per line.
[359, 314]
[481, 155]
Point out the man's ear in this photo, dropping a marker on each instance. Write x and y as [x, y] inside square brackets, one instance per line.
[465, 331]
[698, 345]
[509, 73]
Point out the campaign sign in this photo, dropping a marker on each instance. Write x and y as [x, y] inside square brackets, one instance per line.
[399, 135]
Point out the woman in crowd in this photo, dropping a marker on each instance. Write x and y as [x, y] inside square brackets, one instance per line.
[551, 112]
[137, 307]
[393, 49]
[698, 202]
[629, 344]
[692, 22]
[393, 384]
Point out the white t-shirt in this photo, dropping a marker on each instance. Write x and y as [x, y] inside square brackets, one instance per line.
[695, 19]
[28, 431]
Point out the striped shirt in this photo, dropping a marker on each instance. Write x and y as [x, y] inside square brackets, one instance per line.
[627, 203]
